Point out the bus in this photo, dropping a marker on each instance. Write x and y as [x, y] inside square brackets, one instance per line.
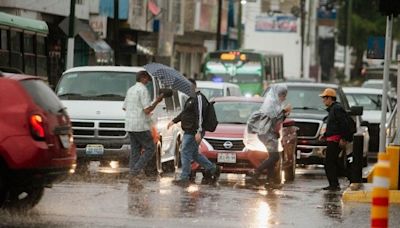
[23, 45]
[251, 70]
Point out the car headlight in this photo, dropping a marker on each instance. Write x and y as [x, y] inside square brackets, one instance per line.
[323, 129]
[247, 95]
[252, 142]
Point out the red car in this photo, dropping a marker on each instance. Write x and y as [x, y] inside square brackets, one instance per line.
[36, 144]
[225, 146]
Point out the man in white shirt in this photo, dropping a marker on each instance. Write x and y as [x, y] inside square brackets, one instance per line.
[138, 107]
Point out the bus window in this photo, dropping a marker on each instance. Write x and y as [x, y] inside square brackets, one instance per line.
[4, 53]
[41, 56]
[16, 55]
[29, 55]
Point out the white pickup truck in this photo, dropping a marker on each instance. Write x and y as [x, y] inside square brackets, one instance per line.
[94, 96]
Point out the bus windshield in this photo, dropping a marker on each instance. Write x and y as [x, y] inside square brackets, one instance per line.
[248, 69]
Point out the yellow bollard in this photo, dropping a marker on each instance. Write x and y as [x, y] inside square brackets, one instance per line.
[393, 152]
[380, 195]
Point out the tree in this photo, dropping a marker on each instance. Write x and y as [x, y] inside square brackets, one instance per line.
[366, 20]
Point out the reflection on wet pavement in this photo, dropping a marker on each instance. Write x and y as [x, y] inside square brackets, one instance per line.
[102, 199]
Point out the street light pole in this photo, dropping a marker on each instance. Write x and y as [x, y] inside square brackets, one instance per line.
[388, 40]
[71, 41]
[302, 25]
[219, 24]
[239, 25]
[116, 32]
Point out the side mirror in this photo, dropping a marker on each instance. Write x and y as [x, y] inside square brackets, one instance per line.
[364, 123]
[356, 110]
[166, 92]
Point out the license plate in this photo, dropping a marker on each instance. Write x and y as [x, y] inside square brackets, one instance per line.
[226, 158]
[65, 142]
[94, 149]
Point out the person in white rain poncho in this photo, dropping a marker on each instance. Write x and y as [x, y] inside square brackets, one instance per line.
[262, 131]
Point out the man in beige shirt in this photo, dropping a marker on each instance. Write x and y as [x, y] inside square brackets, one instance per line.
[138, 107]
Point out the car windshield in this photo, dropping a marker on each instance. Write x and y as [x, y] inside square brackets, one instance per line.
[43, 95]
[237, 78]
[97, 85]
[305, 98]
[211, 92]
[373, 85]
[235, 112]
[367, 101]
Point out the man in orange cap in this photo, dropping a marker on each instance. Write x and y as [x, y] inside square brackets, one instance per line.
[337, 135]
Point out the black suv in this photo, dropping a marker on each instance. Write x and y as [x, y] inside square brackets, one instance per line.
[309, 113]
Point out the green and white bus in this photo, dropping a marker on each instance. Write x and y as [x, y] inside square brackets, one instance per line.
[251, 70]
[23, 45]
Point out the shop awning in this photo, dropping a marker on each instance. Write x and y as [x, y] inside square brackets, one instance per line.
[98, 45]
[87, 34]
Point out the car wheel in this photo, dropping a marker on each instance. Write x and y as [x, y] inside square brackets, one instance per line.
[3, 188]
[24, 199]
[177, 157]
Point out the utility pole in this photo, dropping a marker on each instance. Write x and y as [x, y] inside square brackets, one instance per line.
[116, 32]
[302, 28]
[71, 40]
[219, 24]
[388, 46]
[347, 53]
[239, 25]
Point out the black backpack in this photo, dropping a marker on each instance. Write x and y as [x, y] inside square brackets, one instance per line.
[210, 121]
[352, 127]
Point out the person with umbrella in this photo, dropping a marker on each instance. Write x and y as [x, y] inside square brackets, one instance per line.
[190, 119]
[138, 107]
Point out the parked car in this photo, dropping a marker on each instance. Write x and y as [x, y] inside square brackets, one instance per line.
[371, 100]
[309, 113]
[212, 89]
[36, 143]
[94, 96]
[226, 147]
[378, 84]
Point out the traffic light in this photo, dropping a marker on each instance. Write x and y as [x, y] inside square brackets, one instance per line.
[389, 7]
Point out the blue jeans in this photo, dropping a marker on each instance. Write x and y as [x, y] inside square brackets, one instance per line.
[137, 159]
[269, 164]
[190, 151]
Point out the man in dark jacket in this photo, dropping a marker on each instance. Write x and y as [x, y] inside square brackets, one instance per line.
[337, 135]
[193, 132]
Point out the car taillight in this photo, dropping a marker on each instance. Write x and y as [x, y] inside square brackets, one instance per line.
[37, 128]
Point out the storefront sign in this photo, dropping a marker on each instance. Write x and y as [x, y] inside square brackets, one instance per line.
[276, 23]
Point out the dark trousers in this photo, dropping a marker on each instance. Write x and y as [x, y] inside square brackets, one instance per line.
[137, 159]
[269, 164]
[332, 163]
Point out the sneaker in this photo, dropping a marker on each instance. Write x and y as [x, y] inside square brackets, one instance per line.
[331, 188]
[140, 175]
[253, 175]
[134, 184]
[217, 173]
[181, 183]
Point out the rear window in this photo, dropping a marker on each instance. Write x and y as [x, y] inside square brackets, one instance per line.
[42, 95]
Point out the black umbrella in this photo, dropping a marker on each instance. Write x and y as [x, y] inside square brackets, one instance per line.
[170, 77]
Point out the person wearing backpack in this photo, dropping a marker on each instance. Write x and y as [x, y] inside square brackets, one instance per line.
[337, 135]
[192, 125]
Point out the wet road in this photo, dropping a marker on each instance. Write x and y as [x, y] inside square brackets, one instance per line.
[103, 200]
